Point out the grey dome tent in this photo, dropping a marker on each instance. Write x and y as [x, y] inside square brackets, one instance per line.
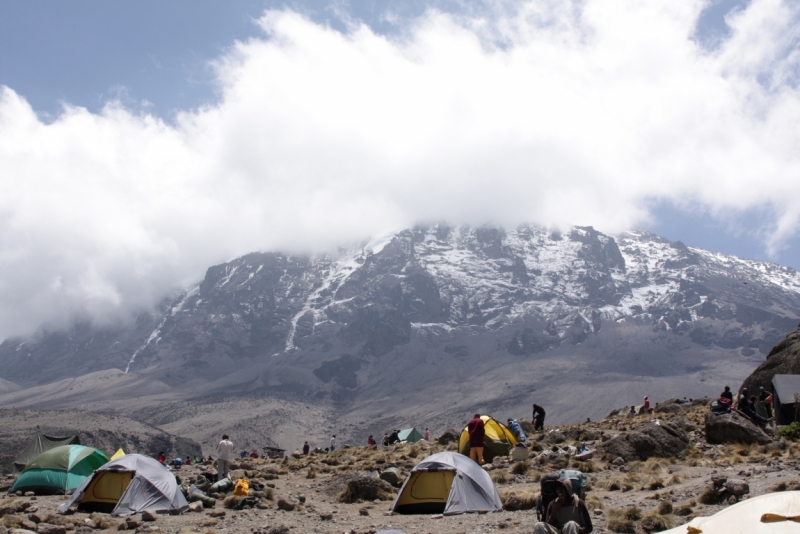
[129, 485]
[447, 483]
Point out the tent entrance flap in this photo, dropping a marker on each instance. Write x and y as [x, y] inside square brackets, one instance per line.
[426, 492]
[105, 489]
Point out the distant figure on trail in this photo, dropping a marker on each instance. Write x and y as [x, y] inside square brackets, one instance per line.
[427, 434]
[244, 454]
[394, 437]
[538, 417]
[726, 394]
[566, 514]
[161, 458]
[646, 404]
[224, 457]
[385, 439]
[254, 454]
[476, 432]
[516, 429]
[371, 442]
[333, 443]
[306, 448]
[766, 397]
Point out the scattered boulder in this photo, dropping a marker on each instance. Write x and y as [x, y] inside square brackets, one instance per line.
[737, 487]
[556, 436]
[668, 408]
[578, 433]
[365, 487]
[733, 428]
[392, 476]
[149, 515]
[288, 506]
[47, 528]
[650, 439]
[451, 435]
[196, 506]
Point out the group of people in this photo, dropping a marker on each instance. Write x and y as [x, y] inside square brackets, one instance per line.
[746, 404]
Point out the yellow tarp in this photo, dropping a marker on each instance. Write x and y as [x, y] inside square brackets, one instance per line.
[119, 454]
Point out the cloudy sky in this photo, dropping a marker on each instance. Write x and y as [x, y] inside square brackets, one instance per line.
[141, 142]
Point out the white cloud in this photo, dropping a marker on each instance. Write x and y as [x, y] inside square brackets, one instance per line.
[557, 113]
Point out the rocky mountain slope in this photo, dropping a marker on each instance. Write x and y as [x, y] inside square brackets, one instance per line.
[435, 322]
[103, 431]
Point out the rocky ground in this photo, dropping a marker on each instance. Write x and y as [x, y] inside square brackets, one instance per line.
[626, 493]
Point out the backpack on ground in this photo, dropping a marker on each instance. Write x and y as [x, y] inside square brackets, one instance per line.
[242, 487]
[547, 484]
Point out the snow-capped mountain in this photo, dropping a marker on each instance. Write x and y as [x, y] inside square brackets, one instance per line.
[431, 307]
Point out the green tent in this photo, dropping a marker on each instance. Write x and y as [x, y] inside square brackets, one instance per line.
[40, 443]
[409, 435]
[59, 470]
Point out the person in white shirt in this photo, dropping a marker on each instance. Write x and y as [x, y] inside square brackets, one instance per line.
[333, 443]
[224, 457]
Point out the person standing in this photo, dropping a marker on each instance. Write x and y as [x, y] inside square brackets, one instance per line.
[538, 417]
[766, 397]
[333, 443]
[427, 434]
[646, 404]
[306, 448]
[385, 439]
[476, 432]
[224, 457]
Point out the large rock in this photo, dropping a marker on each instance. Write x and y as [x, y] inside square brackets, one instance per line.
[449, 436]
[392, 476]
[650, 439]
[783, 359]
[47, 528]
[733, 428]
[368, 488]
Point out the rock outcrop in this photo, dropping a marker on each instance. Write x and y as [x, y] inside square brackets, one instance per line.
[733, 428]
[783, 359]
[650, 439]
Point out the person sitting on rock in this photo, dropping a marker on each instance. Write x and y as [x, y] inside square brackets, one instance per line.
[566, 514]
[371, 442]
[748, 409]
[726, 394]
[254, 454]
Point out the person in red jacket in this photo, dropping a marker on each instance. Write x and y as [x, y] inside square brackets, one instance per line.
[476, 433]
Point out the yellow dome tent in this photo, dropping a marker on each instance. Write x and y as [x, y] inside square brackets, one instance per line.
[497, 440]
[119, 454]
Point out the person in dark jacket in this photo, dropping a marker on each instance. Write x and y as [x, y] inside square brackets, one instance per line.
[538, 417]
[727, 394]
[476, 432]
[566, 514]
[394, 437]
[766, 397]
[306, 447]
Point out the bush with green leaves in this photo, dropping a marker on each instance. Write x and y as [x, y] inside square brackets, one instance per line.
[791, 431]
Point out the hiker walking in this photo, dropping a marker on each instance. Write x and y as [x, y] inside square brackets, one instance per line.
[538, 417]
[224, 457]
[333, 443]
[476, 433]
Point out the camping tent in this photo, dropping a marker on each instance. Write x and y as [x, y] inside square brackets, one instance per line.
[119, 454]
[447, 483]
[785, 386]
[59, 470]
[771, 513]
[129, 485]
[40, 443]
[498, 440]
[409, 435]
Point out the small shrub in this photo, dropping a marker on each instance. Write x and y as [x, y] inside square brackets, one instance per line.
[311, 474]
[664, 507]
[499, 477]
[623, 526]
[674, 480]
[231, 502]
[520, 468]
[684, 510]
[709, 496]
[790, 432]
[655, 522]
[653, 483]
[519, 499]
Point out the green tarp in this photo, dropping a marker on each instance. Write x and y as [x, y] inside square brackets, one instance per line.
[39, 444]
[409, 435]
[59, 470]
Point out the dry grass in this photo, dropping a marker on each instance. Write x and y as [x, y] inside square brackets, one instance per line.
[207, 523]
[708, 496]
[499, 477]
[621, 526]
[685, 509]
[101, 522]
[311, 474]
[618, 483]
[655, 522]
[520, 468]
[664, 507]
[535, 475]
[674, 480]
[651, 466]
[231, 502]
[586, 467]
[519, 499]
[594, 502]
